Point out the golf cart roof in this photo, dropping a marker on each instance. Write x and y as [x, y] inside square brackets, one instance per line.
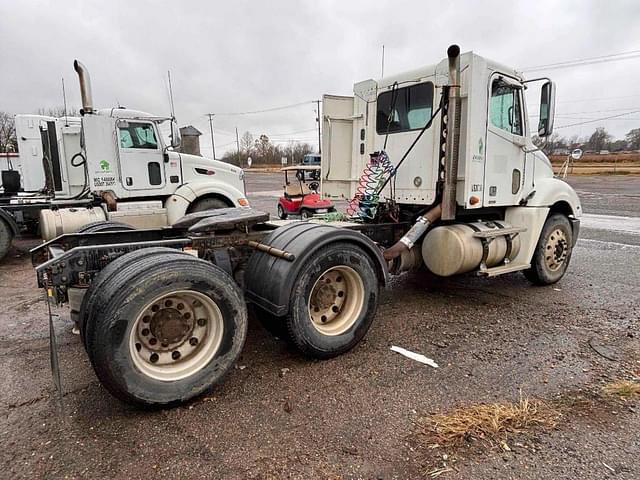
[301, 167]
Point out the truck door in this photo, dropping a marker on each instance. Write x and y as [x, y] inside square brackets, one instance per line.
[141, 156]
[505, 157]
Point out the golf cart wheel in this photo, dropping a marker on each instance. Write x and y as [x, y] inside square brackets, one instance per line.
[334, 301]
[281, 213]
[305, 214]
[171, 337]
[6, 237]
[94, 294]
[553, 252]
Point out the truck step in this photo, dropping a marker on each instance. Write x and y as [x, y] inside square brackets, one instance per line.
[502, 269]
[498, 232]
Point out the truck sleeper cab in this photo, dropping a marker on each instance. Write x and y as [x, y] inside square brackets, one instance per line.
[501, 178]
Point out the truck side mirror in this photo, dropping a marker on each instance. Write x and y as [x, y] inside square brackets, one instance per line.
[176, 139]
[547, 109]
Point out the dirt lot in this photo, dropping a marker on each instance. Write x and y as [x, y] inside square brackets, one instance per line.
[279, 415]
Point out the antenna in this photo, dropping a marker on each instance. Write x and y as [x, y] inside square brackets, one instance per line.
[64, 102]
[382, 75]
[173, 111]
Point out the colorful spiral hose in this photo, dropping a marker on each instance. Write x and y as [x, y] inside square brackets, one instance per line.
[364, 203]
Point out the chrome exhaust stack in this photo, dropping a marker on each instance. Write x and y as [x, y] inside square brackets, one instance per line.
[85, 87]
[453, 136]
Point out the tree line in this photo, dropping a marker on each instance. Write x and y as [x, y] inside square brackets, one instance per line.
[598, 141]
[264, 152]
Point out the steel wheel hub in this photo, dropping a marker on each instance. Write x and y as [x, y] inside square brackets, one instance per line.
[176, 335]
[336, 300]
[556, 250]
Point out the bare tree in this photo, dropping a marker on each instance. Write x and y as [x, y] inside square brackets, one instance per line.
[246, 143]
[633, 139]
[8, 140]
[59, 111]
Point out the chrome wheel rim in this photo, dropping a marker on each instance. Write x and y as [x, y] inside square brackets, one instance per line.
[176, 335]
[556, 250]
[336, 300]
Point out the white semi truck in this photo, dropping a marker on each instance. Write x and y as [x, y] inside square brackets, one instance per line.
[455, 185]
[109, 166]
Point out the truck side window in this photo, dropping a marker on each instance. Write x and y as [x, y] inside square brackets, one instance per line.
[404, 109]
[505, 111]
[138, 135]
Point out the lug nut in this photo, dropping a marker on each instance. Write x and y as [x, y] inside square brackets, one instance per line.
[146, 319]
[168, 303]
[193, 341]
[180, 306]
[154, 358]
[202, 322]
[152, 341]
[145, 331]
[175, 355]
[187, 315]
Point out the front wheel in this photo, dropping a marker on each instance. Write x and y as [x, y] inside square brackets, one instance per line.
[171, 337]
[281, 213]
[207, 204]
[553, 251]
[6, 237]
[305, 214]
[333, 302]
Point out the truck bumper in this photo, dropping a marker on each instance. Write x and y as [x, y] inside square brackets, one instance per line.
[575, 227]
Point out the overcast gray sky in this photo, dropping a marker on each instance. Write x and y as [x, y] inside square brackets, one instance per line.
[240, 55]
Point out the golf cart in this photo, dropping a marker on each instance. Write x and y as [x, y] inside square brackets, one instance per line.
[301, 194]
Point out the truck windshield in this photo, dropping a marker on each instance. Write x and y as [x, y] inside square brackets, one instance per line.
[138, 135]
[404, 109]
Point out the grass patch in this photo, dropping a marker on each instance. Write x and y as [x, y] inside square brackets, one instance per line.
[626, 389]
[492, 422]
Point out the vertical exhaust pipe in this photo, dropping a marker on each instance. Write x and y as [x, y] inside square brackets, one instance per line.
[85, 87]
[453, 136]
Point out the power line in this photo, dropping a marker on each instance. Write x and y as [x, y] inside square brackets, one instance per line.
[614, 57]
[598, 119]
[272, 109]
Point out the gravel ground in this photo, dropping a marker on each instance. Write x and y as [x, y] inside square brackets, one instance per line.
[279, 415]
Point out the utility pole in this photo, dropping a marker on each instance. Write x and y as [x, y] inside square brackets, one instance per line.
[213, 143]
[318, 120]
[238, 145]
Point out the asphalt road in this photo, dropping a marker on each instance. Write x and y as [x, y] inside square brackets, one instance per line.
[279, 415]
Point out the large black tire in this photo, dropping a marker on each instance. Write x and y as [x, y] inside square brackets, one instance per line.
[127, 333]
[95, 293]
[338, 286]
[105, 226]
[207, 204]
[553, 251]
[6, 238]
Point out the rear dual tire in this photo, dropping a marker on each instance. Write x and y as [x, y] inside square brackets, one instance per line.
[333, 302]
[164, 328]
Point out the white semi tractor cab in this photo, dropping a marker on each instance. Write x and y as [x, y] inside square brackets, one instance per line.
[108, 165]
[471, 156]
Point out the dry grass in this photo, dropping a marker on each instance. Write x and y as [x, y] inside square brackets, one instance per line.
[491, 422]
[626, 389]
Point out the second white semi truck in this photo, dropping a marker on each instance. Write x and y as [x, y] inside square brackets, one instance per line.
[110, 168]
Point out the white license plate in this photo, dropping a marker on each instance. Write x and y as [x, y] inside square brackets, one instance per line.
[322, 210]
